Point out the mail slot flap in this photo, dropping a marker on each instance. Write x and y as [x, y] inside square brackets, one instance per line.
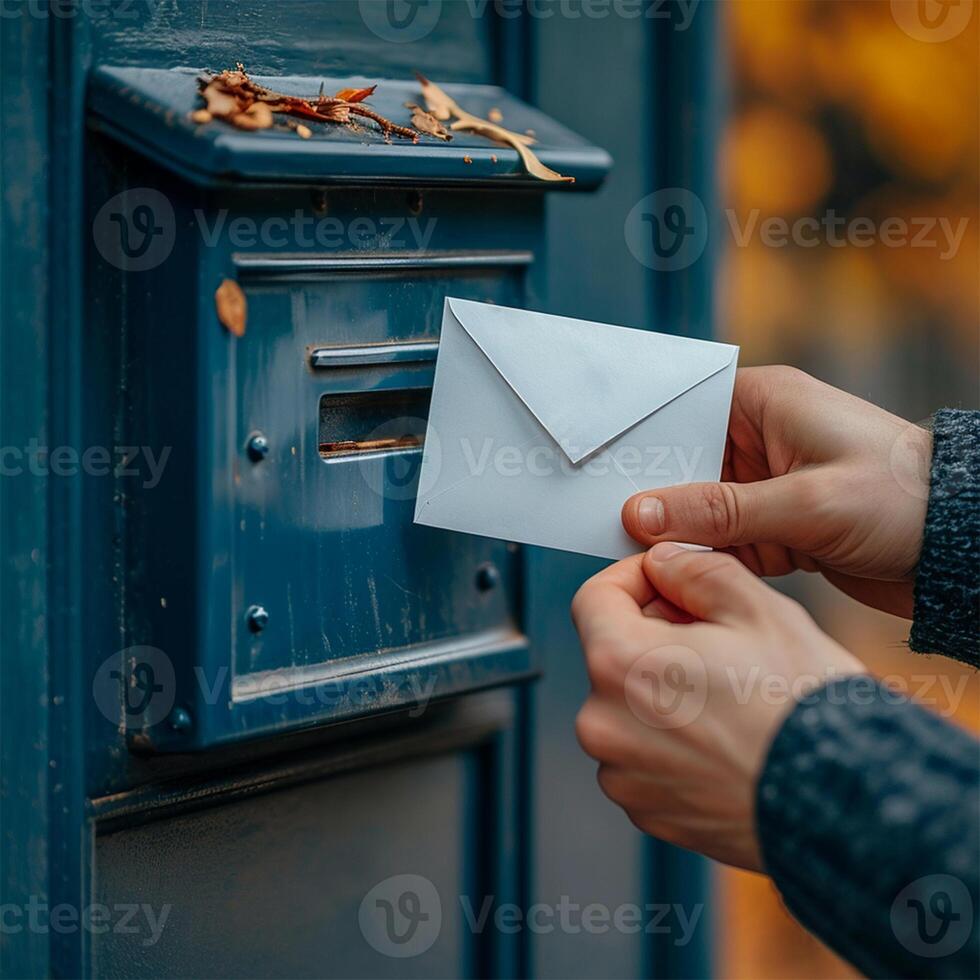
[149, 109]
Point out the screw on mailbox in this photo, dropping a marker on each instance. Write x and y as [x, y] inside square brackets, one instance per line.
[487, 577]
[258, 447]
[257, 618]
[180, 720]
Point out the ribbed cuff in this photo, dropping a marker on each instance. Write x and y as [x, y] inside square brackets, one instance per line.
[863, 796]
[946, 617]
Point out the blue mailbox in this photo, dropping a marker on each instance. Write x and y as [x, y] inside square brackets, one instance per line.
[255, 722]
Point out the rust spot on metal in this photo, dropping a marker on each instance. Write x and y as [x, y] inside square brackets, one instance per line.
[347, 446]
[231, 306]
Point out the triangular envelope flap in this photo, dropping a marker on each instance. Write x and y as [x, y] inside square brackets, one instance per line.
[587, 382]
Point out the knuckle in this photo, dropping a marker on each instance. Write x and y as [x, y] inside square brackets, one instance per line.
[787, 374]
[719, 504]
[712, 569]
[589, 730]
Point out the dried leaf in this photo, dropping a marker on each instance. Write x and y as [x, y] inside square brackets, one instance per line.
[531, 163]
[257, 116]
[355, 94]
[436, 101]
[443, 107]
[218, 101]
[233, 96]
[232, 309]
[425, 122]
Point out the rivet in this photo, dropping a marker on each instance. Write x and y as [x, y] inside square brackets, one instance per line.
[487, 577]
[257, 618]
[180, 720]
[258, 447]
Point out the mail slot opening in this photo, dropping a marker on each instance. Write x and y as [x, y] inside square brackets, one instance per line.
[355, 423]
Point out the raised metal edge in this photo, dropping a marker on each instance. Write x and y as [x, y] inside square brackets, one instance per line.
[268, 265]
[410, 353]
[261, 684]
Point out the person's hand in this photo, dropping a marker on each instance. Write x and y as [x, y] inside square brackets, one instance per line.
[814, 479]
[694, 664]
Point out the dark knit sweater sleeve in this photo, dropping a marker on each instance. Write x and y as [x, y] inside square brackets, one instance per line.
[868, 813]
[946, 617]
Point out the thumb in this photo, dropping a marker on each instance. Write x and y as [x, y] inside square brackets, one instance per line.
[718, 514]
[712, 586]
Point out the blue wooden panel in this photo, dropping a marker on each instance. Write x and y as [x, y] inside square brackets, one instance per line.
[25, 777]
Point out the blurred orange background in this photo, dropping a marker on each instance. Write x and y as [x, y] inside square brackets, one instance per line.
[848, 109]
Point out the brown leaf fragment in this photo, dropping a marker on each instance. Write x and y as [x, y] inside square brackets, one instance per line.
[218, 101]
[234, 97]
[495, 115]
[232, 309]
[427, 123]
[531, 163]
[355, 94]
[443, 107]
[257, 116]
[436, 101]
[467, 159]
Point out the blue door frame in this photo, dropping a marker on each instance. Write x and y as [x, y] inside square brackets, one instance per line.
[77, 815]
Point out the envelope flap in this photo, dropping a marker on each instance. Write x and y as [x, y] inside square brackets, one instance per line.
[587, 382]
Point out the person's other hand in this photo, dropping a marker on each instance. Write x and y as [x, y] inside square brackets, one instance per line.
[694, 663]
[815, 479]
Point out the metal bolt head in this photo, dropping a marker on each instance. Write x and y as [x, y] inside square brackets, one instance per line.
[257, 618]
[180, 720]
[487, 577]
[258, 447]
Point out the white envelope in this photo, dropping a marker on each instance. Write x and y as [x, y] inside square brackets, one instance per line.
[541, 426]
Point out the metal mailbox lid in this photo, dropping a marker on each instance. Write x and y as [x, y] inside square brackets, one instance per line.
[149, 110]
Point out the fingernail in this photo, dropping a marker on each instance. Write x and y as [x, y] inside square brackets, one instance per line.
[665, 550]
[651, 515]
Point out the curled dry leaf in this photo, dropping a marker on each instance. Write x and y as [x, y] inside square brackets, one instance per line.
[234, 97]
[232, 309]
[427, 123]
[443, 107]
[355, 94]
[436, 101]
